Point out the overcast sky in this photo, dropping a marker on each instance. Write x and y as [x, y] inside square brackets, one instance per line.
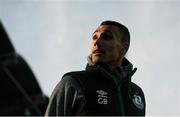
[54, 38]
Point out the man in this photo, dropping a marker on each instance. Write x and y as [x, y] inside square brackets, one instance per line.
[105, 87]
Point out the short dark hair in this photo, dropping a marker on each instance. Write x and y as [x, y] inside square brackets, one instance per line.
[123, 29]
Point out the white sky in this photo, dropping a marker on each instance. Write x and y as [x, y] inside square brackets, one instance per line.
[54, 38]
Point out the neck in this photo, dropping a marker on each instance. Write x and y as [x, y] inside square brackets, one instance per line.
[115, 64]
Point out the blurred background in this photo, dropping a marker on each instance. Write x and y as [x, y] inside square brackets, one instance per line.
[54, 38]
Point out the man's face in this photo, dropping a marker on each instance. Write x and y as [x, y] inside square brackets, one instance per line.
[106, 45]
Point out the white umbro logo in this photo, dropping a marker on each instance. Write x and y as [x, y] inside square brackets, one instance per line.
[102, 97]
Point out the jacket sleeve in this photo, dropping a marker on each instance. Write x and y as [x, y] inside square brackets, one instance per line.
[139, 100]
[65, 97]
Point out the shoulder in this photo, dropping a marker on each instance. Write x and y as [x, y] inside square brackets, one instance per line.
[78, 76]
[69, 81]
[136, 88]
[138, 96]
[73, 79]
[75, 73]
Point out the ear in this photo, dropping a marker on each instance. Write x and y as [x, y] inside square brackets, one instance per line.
[125, 48]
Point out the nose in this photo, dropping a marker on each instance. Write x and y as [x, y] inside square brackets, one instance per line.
[98, 41]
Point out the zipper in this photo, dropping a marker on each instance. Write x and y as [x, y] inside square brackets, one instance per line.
[117, 87]
[120, 98]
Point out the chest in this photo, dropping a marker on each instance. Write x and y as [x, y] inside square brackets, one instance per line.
[103, 98]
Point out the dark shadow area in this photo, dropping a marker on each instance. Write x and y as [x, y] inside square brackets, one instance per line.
[20, 93]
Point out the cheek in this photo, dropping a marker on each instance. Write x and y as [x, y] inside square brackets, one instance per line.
[113, 51]
[92, 46]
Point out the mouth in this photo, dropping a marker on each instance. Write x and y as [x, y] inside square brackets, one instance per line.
[98, 52]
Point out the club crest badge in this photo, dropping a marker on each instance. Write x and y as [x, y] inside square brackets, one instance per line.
[138, 102]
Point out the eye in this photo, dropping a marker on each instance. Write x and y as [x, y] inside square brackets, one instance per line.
[94, 37]
[106, 36]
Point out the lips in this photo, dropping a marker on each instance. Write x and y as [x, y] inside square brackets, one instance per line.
[98, 51]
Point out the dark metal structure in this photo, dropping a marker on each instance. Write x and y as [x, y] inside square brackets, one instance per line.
[20, 93]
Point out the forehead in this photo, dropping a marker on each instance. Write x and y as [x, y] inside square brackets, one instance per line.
[108, 28]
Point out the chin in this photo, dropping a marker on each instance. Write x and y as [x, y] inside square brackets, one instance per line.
[97, 60]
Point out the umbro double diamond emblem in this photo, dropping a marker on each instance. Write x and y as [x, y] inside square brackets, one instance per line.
[102, 97]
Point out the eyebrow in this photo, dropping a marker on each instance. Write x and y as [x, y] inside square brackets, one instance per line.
[106, 31]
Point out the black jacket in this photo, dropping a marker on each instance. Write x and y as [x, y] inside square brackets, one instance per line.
[97, 91]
